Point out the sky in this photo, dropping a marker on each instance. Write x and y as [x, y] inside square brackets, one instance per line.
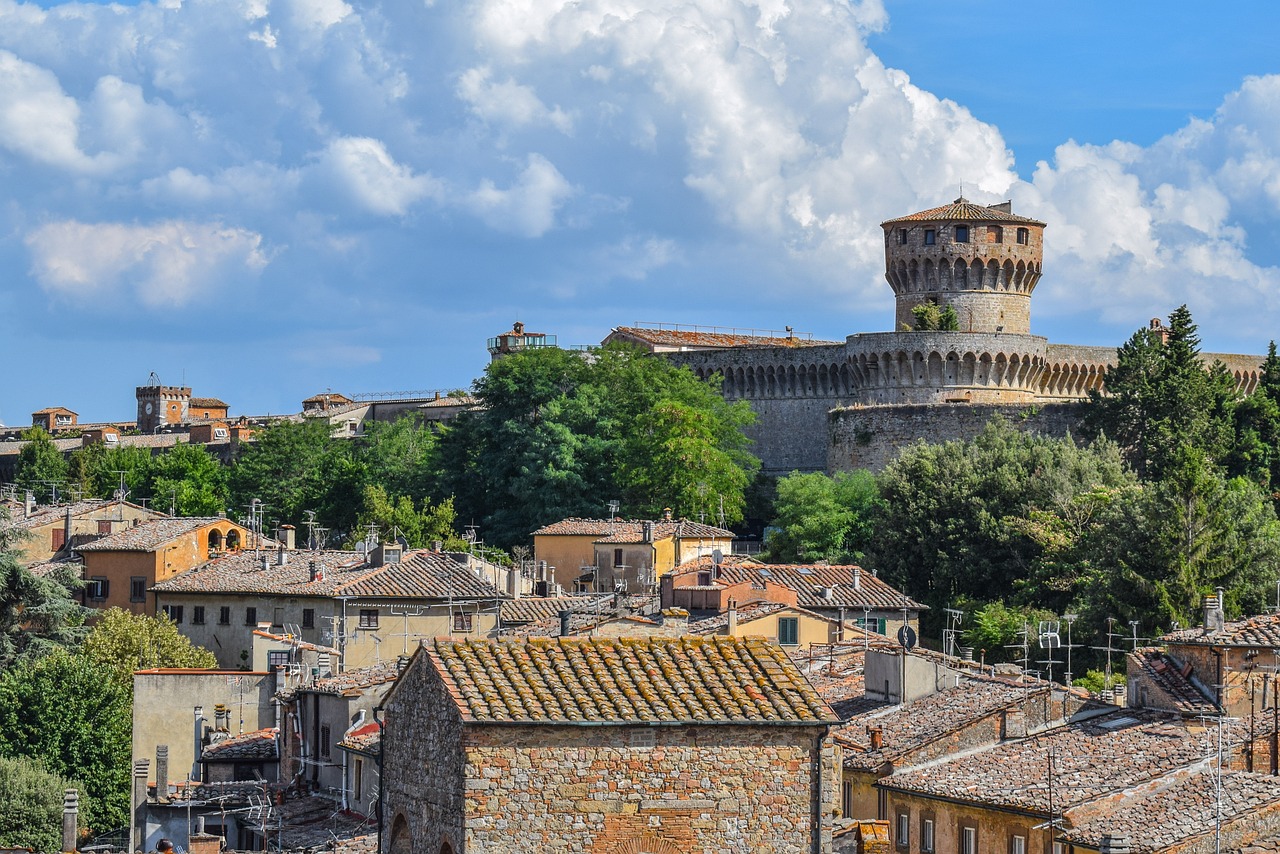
[265, 199]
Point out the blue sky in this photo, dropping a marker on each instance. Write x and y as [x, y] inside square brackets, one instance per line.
[268, 198]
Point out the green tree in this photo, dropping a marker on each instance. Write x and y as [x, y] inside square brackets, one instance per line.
[395, 516]
[37, 613]
[293, 467]
[1159, 399]
[60, 710]
[400, 456]
[40, 467]
[122, 642]
[823, 518]
[187, 480]
[930, 316]
[997, 629]
[96, 470]
[31, 805]
[440, 525]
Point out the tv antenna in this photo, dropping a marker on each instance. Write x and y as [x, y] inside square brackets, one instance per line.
[955, 617]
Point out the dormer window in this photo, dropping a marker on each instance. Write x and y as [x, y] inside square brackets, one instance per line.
[1024, 235]
[930, 237]
[962, 234]
[219, 432]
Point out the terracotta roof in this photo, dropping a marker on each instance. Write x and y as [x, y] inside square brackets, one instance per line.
[419, 575]
[809, 582]
[531, 609]
[905, 729]
[632, 530]
[365, 739]
[49, 513]
[1177, 693]
[49, 410]
[207, 402]
[626, 680]
[714, 340]
[383, 673]
[1093, 757]
[963, 209]
[258, 745]
[45, 568]
[1263, 630]
[1172, 809]
[149, 535]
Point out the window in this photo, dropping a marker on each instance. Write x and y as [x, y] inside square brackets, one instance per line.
[968, 840]
[704, 579]
[173, 612]
[251, 616]
[137, 589]
[788, 631]
[224, 616]
[277, 618]
[903, 839]
[98, 587]
[902, 236]
[358, 788]
[1024, 235]
[104, 528]
[617, 557]
[995, 234]
[219, 432]
[930, 237]
[308, 618]
[369, 619]
[462, 622]
[277, 658]
[197, 615]
[57, 538]
[1017, 844]
[926, 836]
[846, 797]
[962, 234]
[324, 742]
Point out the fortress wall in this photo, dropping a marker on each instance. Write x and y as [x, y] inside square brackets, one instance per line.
[871, 437]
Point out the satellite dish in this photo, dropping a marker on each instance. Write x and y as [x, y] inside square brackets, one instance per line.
[716, 557]
[404, 544]
[361, 548]
[907, 637]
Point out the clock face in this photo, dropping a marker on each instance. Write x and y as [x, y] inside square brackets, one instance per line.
[148, 408]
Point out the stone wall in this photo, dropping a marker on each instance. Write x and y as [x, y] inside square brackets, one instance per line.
[871, 437]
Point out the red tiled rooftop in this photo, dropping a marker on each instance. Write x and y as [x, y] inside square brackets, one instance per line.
[963, 209]
[632, 530]
[714, 340]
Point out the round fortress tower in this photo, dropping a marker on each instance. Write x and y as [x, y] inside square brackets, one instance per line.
[982, 261]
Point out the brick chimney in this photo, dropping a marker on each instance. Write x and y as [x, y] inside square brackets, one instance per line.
[317, 571]
[876, 736]
[1214, 619]
[288, 536]
[201, 842]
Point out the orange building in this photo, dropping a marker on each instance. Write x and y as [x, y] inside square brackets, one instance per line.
[121, 568]
[209, 432]
[54, 418]
[206, 408]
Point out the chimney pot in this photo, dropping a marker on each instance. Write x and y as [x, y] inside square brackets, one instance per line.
[857, 578]
[70, 818]
[876, 735]
[162, 772]
[282, 556]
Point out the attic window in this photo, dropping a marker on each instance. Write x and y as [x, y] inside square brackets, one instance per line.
[219, 432]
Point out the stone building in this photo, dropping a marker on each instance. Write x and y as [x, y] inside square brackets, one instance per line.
[606, 745]
[838, 406]
[54, 530]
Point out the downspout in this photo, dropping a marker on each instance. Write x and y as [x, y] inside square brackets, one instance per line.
[815, 842]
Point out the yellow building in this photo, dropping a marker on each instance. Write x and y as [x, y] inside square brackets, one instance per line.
[122, 567]
[52, 530]
[791, 627]
[606, 555]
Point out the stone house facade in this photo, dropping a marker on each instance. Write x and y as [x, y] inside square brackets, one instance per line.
[595, 745]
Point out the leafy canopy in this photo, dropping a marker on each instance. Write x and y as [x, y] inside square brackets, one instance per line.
[122, 642]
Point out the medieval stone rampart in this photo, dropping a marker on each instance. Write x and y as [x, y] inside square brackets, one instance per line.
[870, 437]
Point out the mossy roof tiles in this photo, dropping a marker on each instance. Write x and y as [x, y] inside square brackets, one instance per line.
[964, 210]
[627, 681]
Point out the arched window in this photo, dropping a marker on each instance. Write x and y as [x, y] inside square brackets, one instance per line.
[233, 540]
[215, 540]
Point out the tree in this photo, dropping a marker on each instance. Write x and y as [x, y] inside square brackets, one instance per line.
[395, 516]
[121, 643]
[401, 456]
[31, 805]
[40, 468]
[1158, 399]
[37, 613]
[996, 628]
[929, 316]
[60, 710]
[823, 518]
[559, 435]
[189, 481]
[293, 467]
[97, 470]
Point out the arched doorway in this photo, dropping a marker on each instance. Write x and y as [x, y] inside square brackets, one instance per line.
[400, 842]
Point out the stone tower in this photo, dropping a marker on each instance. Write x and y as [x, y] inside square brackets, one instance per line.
[161, 405]
[982, 261]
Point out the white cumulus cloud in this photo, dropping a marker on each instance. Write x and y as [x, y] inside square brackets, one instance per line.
[372, 178]
[167, 263]
[527, 208]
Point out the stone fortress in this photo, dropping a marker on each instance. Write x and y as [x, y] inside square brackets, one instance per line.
[833, 406]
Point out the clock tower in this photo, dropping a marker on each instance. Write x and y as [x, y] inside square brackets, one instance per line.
[161, 405]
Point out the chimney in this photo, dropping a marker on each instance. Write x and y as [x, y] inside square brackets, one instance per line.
[438, 547]
[29, 506]
[282, 556]
[162, 773]
[857, 578]
[70, 818]
[1121, 692]
[263, 562]
[139, 804]
[675, 622]
[317, 571]
[1114, 844]
[733, 617]
[288, 535]
[401, 663]
[1015, 723]
[646, 529]
[828, 593]
[199, 741]
[876, 735]
[565, 618]
[1214, 620]
[201, 842]
[66, 530]
[666, 514]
